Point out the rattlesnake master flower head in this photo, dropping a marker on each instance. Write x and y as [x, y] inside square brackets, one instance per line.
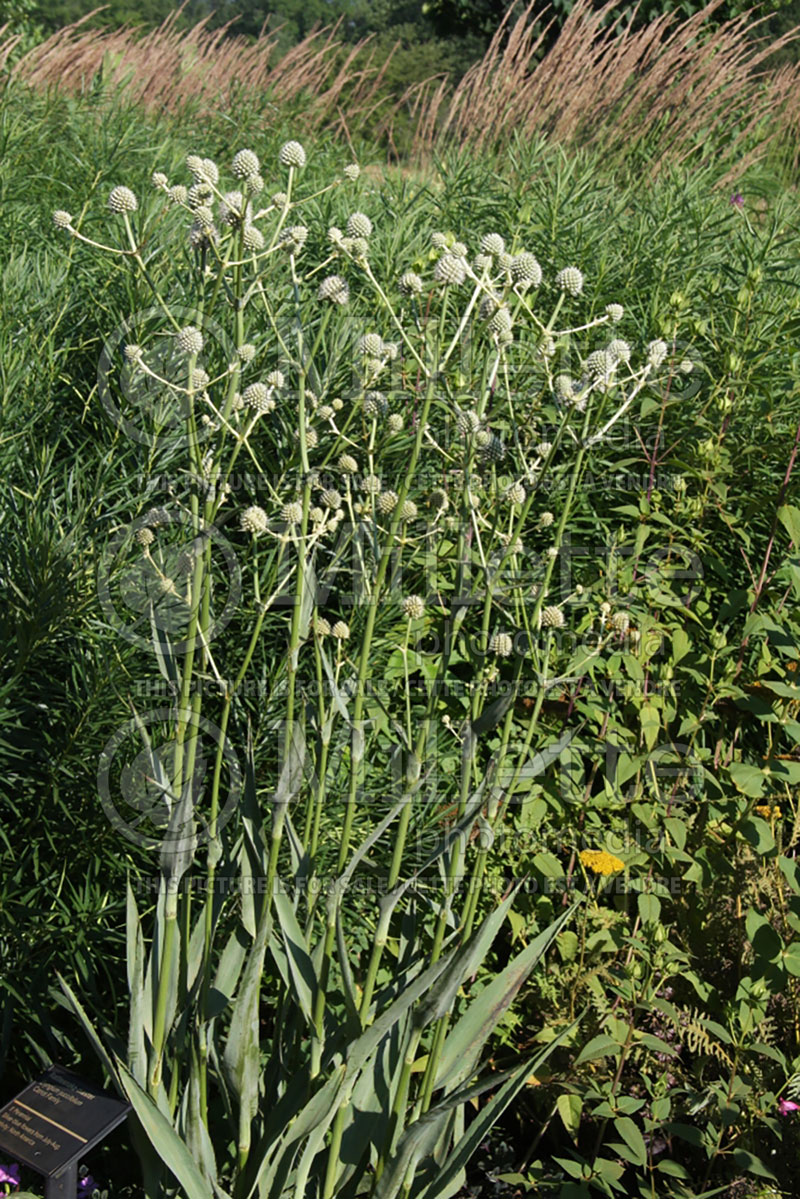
[253, 185]
[370, 345]
[615, 313]
[564, 387]
[544, 448]
[525, 269]
[231, 210]
[468, 422]
[253, 520]
[348, 464]
[410, 284]
[322, 627]
[359, 225]
[280, 200]
[199, 195]
[438, 499]
[133, 353]
[458, 249]
[275, 380]
[546, 520]
[656, 352]
[352, 171]
[490, 446]
[413, 607]
[450, 270]
[619, 350]
[245, 164]
[371, 484]
[341, 630]
[252, 238]
[257, 397]
[294, 238]
[516, 493]
[62, 219]
[189, 340]
[334, 289]
[159, 180]
[438, 241]
[570, 279]
[122, 199]
[292, 513]
[492, 243]
[331, 498]
[200, 378]
[501, 322]
[395, 422]
[205, 170]
[501, 644]
[600, 364]
[387, 502]
[686, 366]
[553, 617]
[292, 154]
[145, 537]
[482, 262]
[247, 352]
[409, 510]
[178, 194]
[375, 404]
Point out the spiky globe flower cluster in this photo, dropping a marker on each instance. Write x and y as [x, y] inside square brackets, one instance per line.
[334, 289]
[409, 510]
[656, 352]
[322, 627]
[468, 422]
[189, 340]
[553, 617]
[501, 322]
[490, 446]
[619, 350]
[359, 225]
[122, 199]
[62, 219]
[615, 313]
[205, 170]
[246, 352]
[145, 537]
[245, 164]
[159, 180]
[292, 154]
[331, 498]
[352, 171]
[525, 269]
[254, 520]
[292, 512]
[370, 345]
[375, 404]
[387, 502]
[341, 630]
[252, 238]
[492, 243]
[516, 493]
[546, 520]
[257, 397]
[410, 284]
[413, 607]
[570, 279]
[450, 271]
[501, 644]
[394, 422]
[275, 380]
[348, 464]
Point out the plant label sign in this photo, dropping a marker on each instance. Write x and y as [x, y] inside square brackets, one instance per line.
[54, 1122]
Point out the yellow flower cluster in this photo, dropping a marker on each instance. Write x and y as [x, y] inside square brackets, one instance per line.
[769, 813]
[600, 862]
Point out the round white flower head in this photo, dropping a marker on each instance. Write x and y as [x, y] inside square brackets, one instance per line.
[387, 502]
[352, 171]
[247, 352]
[199, 195]
[686, 366]
[438, 241]
[552, 551]
[564, 387]
[395, 422]
[337, 404]
[413, 607]
[371, 345]
[253, 185]
[322, 627]
[62, 219]
[357, 246]
[375, 404]
[438, 498]
[544, 448]
[200, 378]
[178, 194]
[615, 313]
[253, 520]
[450, 270]
[292, 513]
[325, 412]
[390, 350]
[334, 289]
[145, 537]
[292, 154]
[553, 617]
[600, 364]
[546, 520]
[204, 217]
[501, 644]
[253, 238]
[257, 397]
[468, 422]
[159, 180]
[492, 243]
[570, 279]
[275, 379]
[410, 284]
[482, 262]
[194, 163]
[205, 170]
[619, 350]
[331, 498]
[621, 621]
[189, 340]
[294, 238]
[245, 164]
[133, 353]
[280, 200]
[341, 630]
[458, 249]
[656, 352]
[231, 210]
[491, 447]
[348, 464]
[409, 510]
[505, 261]
[525, 269]
[501, 322]
[122, 199]
[516, 493]
[371, 484]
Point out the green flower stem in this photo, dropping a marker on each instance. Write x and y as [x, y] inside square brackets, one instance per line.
[160, 1019]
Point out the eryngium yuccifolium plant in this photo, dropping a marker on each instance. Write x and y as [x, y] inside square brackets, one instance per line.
[258, 1027]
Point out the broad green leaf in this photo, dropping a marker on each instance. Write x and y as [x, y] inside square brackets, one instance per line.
[789, 516]
[747, 779]
[650, 722]
[599, 1046]
[632, 1136]
[569, 1109]
[164, 1139]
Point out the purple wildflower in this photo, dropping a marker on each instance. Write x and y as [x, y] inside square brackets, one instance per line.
[10, 1174]
[737, 200]
[785, 1106]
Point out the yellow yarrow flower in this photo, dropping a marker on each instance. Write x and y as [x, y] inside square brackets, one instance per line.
[600, 862]
[768, 812]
